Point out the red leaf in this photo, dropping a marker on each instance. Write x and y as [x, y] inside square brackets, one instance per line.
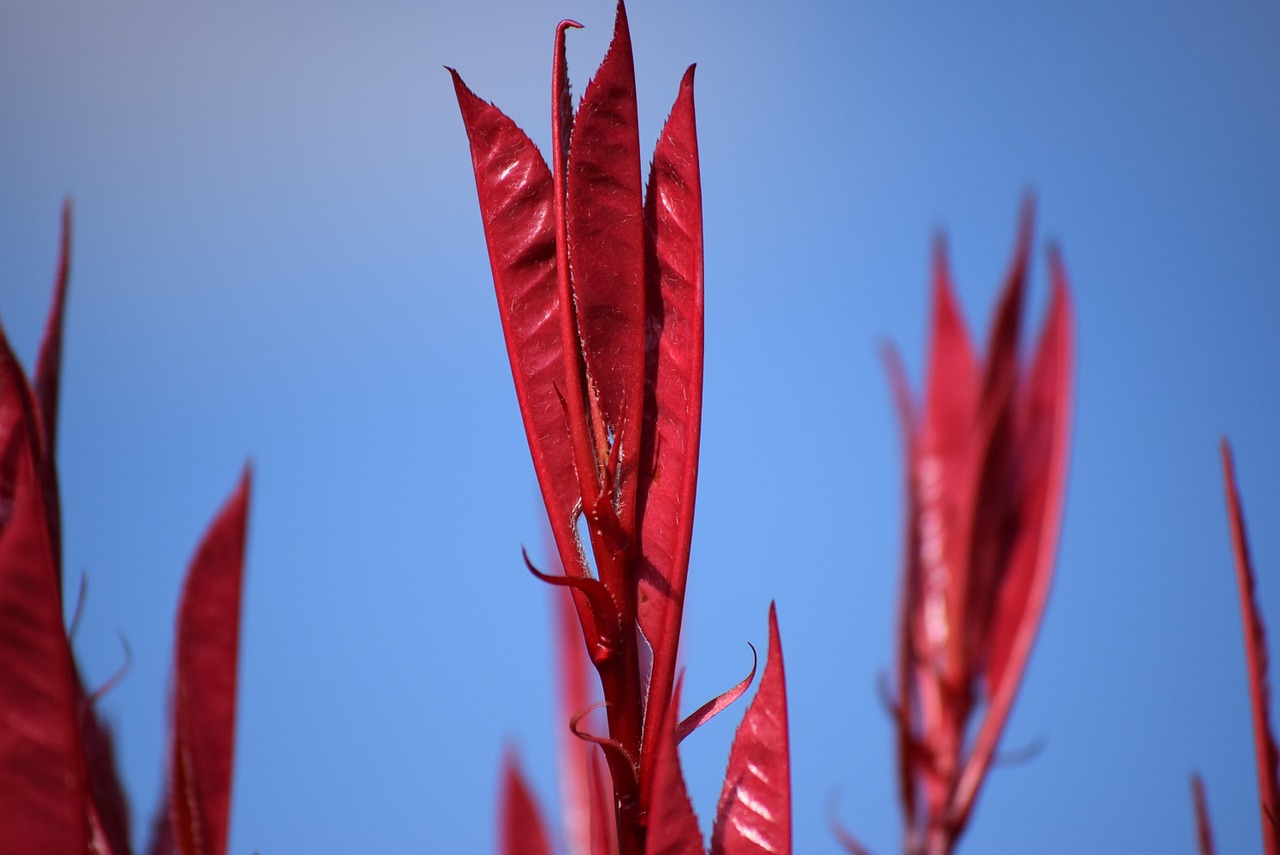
[716, 705]
[517, 206]
[522, 829]
[46, 384]
[204, 704]
[110, 809]
[673, 395]
[604, 832]
[49, 362]
[1255, 650]
[754, 813]
[604, 208]
[1204, 831]
[673, 827]
[1043, 427]
[942, 477]
[43, 786]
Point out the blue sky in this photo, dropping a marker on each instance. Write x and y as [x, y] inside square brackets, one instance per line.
[278, 256]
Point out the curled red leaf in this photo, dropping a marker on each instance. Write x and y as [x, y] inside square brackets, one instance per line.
[716, 705]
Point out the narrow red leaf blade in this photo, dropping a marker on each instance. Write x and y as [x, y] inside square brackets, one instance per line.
[942, 479]
[604, 831]
[606, 248]
[1042, 449]
[517, 206]
[673, 827]
[46, 384]
[43, 788]
[204, 703]
[1204, 831]
[49, 362]
[754, 812]
[673, 393]
[522, 828]
[1044, 425]
[996, 461]
[110, 808]
[1255, 649]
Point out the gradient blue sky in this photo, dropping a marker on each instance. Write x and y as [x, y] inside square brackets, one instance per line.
[278, 255]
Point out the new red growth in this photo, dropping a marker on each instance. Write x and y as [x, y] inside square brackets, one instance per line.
[986, 469]
[59, 789]
[599, 281]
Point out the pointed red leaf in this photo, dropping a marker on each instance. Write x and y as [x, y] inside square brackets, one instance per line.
[517, 206]
[1255, 649]
[522, 828]
[1204, 831]
[49, 362]
[673, 827]
[942, 479]
[43, 786]
[754, 813]
[46, 384]
[604, 208]
[1044, 428]
[204, 703]
[994, 507]
[673, 396]
[1044, 425]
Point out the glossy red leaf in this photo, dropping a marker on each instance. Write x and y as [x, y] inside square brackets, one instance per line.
[523, 832]
[204, 702]
[517, 205]
[673, 827]
[754, 812]
[43, 780]
[1255, 649]
[673, 395]
[606, 251]
[1204, 831]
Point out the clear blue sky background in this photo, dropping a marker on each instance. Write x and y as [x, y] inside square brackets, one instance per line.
[278, 255]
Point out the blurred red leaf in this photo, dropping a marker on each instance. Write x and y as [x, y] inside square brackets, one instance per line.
[204, 702]
[1204, 832]
[522, 829]
[986, 476]
[1255, 649]
[44, 789]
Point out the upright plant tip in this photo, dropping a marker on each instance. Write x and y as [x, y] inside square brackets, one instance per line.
[606, 355]
[986, 453]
